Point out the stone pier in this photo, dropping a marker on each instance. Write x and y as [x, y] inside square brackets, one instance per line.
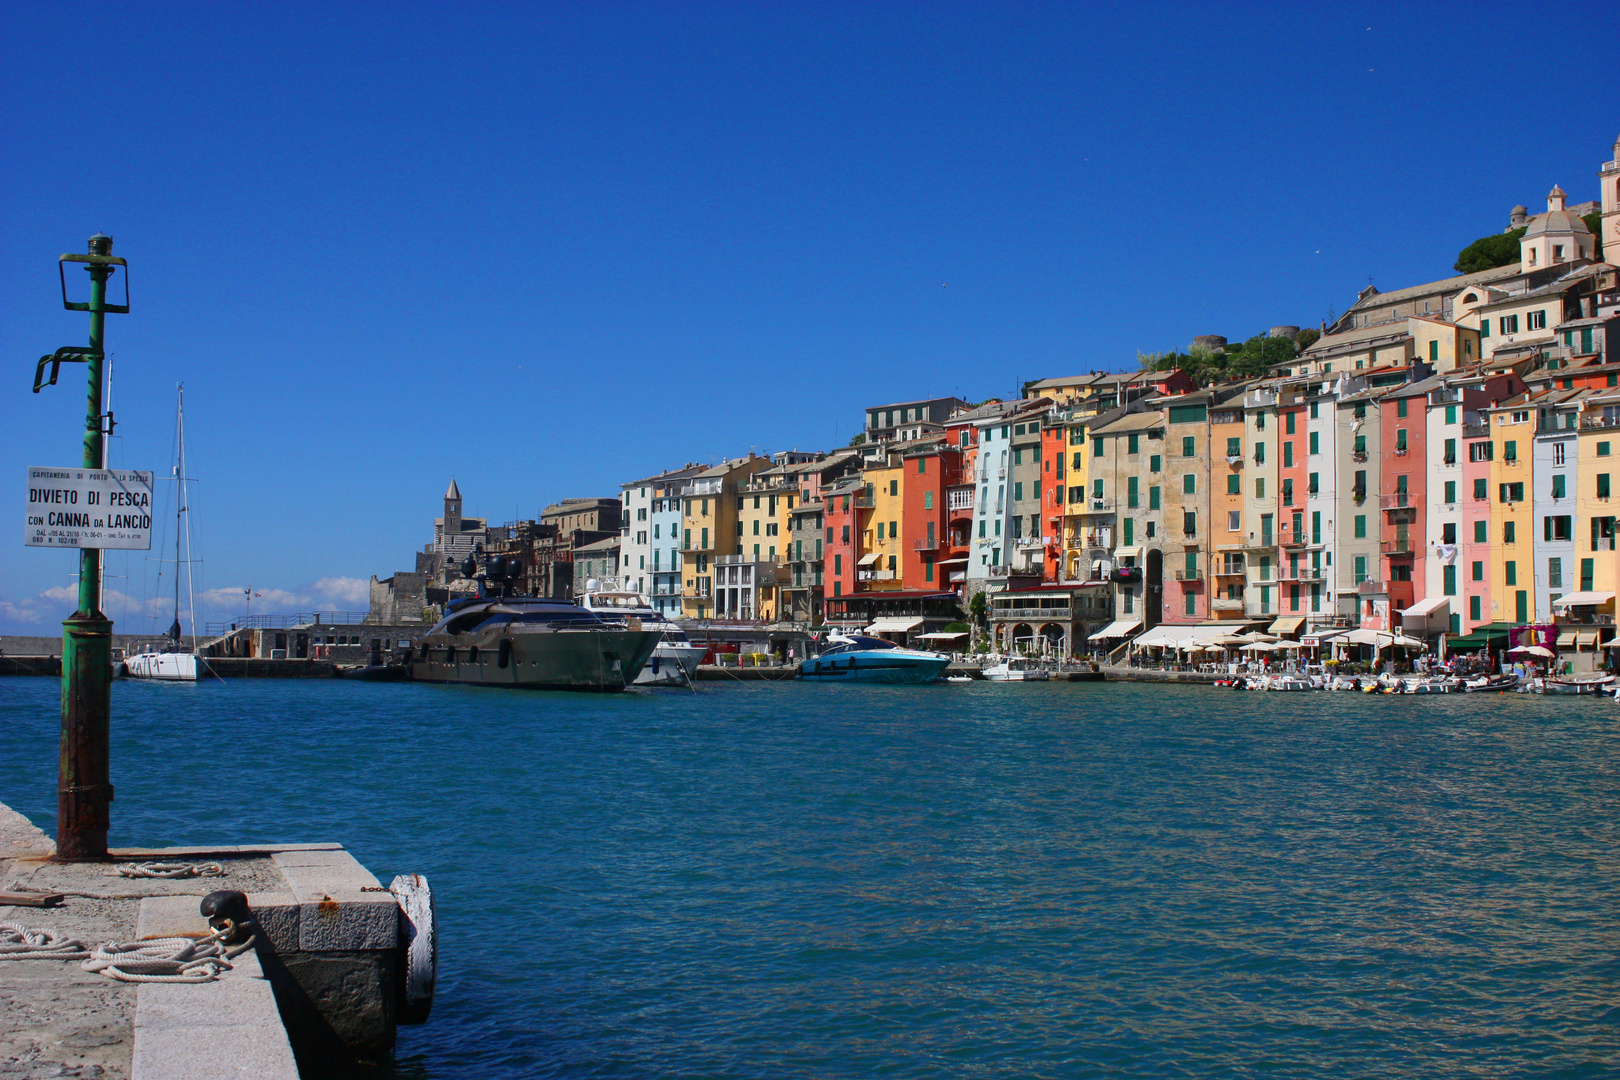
[316, 997]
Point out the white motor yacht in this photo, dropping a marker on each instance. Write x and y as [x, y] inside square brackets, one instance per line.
[675, 659]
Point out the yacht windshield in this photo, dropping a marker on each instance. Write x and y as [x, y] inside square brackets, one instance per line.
[859, 643]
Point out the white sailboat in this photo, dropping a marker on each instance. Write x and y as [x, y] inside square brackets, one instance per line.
[170, 660]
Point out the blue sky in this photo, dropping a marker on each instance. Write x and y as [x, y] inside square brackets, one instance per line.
[547, 249]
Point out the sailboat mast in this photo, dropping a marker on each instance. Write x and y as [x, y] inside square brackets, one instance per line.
[179, 498]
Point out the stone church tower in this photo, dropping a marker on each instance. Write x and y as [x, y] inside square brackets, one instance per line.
[1609, 182]
[452, 509]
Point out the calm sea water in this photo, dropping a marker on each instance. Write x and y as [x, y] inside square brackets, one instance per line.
[991, 880]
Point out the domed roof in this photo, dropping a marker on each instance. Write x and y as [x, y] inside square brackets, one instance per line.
[1521, 209]
[1556, 223]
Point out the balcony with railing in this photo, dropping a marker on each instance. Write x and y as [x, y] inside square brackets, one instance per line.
[1189, 575]
[1266, 542]
[876, 575]
[1369, 587]
[1358, 456]
[1401, 545]
[927, 544]
[1233, 569]
[1476, 431]
[959, 500]
[1397, 500]
[1600, 423]
[1301, 573]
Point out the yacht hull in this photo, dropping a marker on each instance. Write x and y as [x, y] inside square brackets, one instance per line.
[671, 665]
[894, 666]
[583, 659]
[162, 667]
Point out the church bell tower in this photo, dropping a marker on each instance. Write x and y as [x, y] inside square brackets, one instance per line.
[1609, 186]
[452, 509]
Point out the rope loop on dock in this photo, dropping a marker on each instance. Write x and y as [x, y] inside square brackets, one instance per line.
[169, 870]
[167, 959]
[19, 942]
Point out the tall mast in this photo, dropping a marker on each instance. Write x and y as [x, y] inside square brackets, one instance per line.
[179, 499]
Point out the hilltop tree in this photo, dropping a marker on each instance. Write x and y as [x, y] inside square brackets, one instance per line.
[1594, 221]
[1489, 252]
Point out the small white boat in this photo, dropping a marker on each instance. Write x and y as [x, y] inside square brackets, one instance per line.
[1289, 682]
[1017, 669]
[1427, 685]
[959, 678]
[1490, 684]
[1577, 684]
[170, 661]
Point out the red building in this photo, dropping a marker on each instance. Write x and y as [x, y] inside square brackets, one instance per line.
[1402, 509]
[926, 538]
[844, 519]
[1054, 459]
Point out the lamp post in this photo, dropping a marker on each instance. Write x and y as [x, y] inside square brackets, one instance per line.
[83, 791]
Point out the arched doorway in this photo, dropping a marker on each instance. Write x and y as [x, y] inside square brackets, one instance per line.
[1053, 636]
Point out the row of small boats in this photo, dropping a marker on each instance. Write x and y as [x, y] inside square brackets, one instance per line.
[1573, 685]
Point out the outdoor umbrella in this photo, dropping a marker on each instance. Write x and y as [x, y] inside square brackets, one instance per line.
[1533, 650]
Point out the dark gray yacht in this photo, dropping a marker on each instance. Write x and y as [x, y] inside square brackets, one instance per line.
[526, 641]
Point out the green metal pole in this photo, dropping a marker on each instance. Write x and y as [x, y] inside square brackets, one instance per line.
[83, 792]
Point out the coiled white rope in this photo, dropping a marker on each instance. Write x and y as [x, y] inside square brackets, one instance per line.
[167, 960]
[19, 942]
[169, 870]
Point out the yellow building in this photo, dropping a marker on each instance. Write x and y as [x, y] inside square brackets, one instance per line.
[710, 527]
[1513, 541]
[880, 564]
[1597, 483]
[1085, 541]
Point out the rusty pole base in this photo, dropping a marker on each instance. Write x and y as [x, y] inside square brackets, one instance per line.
[83, 791]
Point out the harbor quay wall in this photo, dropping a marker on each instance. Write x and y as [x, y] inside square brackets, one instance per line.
[320, 994]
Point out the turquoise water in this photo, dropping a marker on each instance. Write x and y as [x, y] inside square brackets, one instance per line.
[1049, 880]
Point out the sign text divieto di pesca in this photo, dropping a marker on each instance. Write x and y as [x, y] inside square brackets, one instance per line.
[88, 508]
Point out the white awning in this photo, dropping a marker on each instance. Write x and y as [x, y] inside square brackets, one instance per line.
[952, 562]
[868, 560]
[941, 636]
[899, 624]
[1382, 639]
[1117, 628]
[1288, 625]
[1128, 552]
[1426, 607]
[1566, 640]
[1584, 638]
[1169, 636]
[1583, 599]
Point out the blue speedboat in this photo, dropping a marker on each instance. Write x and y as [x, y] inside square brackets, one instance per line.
[859, 658]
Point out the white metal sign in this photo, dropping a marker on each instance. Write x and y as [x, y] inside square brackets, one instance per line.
[88, 508]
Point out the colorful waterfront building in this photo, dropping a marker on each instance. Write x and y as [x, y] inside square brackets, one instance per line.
[1512, 518]
[1186, 524]
[929, 547]
[1228, 575]
[709, 528]
[1554, 468]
